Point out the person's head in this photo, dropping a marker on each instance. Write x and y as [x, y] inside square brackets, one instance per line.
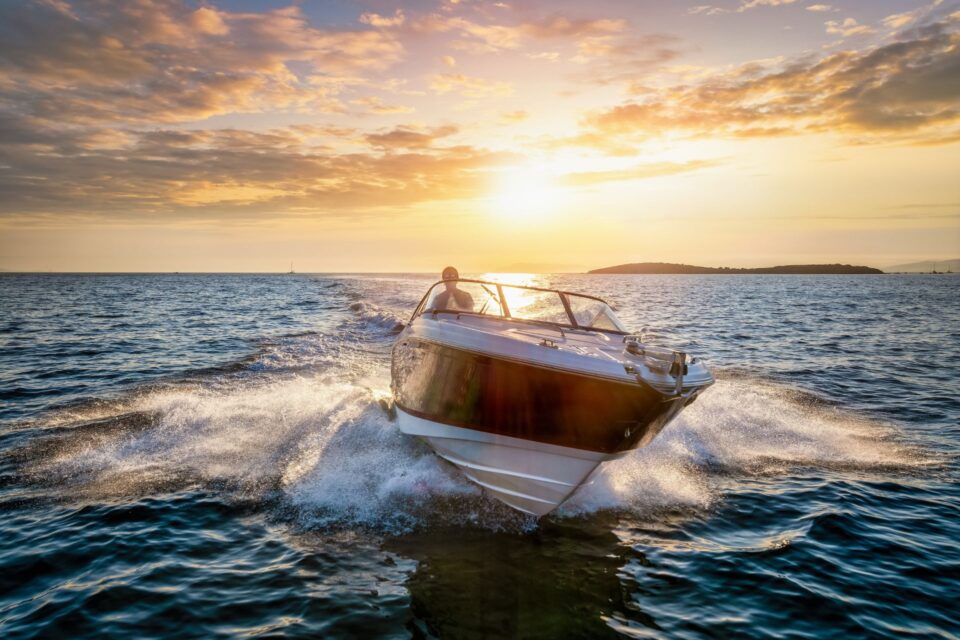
[450, 276]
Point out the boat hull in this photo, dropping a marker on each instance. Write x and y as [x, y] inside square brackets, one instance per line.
[530, 435]
[461, 388]
[529, 408]
[532, 477]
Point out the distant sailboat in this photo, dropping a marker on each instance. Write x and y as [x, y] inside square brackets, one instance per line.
[291, 272]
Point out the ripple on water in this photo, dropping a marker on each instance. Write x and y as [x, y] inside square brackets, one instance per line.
[234, 474]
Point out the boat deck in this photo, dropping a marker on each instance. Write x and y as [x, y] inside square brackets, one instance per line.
[585, 351]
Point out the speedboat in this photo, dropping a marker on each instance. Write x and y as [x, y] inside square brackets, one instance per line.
[528, 390]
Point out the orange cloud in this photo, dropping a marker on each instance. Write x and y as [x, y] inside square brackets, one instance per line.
[564, 27]
[745, 5]
[610, 145]
[900, 19]
[209, 21]
[639, 172]
[376, 105]
[896, 89]
[376, 20]
[212, 174]
[515, 116]
[406, 137]
[161, 61]
[847, 28]
[468, 86]
[485, 38]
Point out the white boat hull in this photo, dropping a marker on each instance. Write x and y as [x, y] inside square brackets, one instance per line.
[532, 477]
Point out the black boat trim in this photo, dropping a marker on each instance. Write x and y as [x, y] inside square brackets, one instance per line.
[688, 387]
[465, 389]
[630, 382]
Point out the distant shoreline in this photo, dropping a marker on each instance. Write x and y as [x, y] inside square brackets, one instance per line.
[667, 268]
[621, 269]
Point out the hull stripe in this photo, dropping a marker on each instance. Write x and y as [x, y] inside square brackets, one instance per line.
[508, 492]
[504, 472]
[632, 381]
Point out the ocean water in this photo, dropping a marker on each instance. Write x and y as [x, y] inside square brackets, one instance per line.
[199, 456]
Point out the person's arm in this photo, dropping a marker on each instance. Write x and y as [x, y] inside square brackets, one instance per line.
[440, 301]
[464, 300]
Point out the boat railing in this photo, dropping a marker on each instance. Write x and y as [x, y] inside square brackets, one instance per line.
[552, 325]
[502, 301]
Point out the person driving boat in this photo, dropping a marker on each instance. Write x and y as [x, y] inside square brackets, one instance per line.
[452, 298]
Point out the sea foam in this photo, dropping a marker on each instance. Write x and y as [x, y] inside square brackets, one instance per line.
[744, 428]
[325, 451]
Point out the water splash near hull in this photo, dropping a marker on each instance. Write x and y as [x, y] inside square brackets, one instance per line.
[199, 482]
[328, 452]
[744, 428]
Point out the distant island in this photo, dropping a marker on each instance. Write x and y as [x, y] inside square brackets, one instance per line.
[793, 269]
[928, 266]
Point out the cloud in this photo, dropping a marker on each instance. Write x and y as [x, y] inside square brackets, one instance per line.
[209, 21]
[93, 96]
[607, 50]
[165, 61]
[847, 28]
[376, 20]
[231, 174]
[376, 105]
[551, 56]
[511, 117]
[745, 5]
[409, 137]
[898, 89]
[228, 173]
[900, 19]
[92, 93]
[639, 172]
[475, 37]
[821, 8]
[563, 27]
[468, 86]
[706, 10]
[628, 60]
[598, 141]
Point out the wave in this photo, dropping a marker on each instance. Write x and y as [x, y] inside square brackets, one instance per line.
[325, 448]
[324, 451]
[299, 426]
[746, 428]
[377, 318]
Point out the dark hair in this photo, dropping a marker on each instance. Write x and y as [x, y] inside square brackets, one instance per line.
[450, 273]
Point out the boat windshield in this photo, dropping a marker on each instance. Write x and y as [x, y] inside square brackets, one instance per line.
[523, 303]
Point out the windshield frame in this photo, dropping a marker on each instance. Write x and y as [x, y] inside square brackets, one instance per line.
[573, 324]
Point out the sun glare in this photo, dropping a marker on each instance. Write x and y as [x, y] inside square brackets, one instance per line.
[525, 193]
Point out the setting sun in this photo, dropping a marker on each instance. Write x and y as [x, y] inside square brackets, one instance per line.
[241, 136]
[525, 194]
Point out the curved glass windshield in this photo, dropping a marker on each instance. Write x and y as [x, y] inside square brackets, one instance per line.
[534, 304]
[465, 297]
[522, 303]
[593, 313]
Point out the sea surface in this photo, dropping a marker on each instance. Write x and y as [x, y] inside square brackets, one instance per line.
[199, 456]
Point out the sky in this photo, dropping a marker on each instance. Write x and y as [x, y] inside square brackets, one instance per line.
[242, 135]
